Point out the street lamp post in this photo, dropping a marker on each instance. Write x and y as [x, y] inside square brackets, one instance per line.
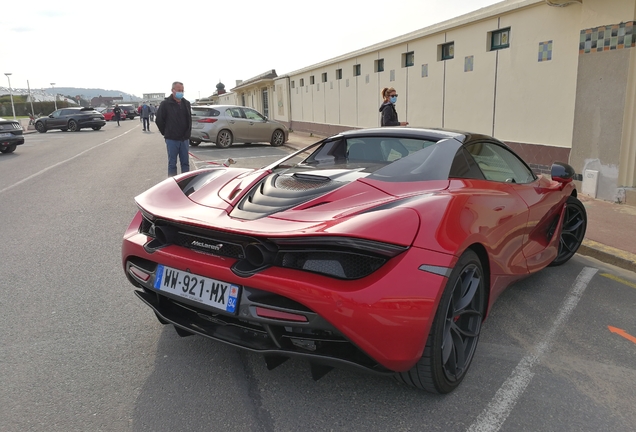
[54, 95]
[11, 93]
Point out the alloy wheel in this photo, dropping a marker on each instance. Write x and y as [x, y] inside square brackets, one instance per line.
[278, 138]
[573, 230]
[462, 323]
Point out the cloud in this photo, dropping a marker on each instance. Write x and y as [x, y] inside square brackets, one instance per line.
[51, 13]
[22, 29]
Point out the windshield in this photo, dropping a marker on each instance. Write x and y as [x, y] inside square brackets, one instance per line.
[380, 158]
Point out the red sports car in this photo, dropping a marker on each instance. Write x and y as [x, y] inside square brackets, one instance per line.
[110, 115]
[382, 250]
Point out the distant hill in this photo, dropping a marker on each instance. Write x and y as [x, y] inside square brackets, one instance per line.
[89, 93]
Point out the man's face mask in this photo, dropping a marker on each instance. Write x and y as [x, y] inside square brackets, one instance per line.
[178, 95]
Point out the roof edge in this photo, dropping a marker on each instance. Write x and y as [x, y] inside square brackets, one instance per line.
[474, 16]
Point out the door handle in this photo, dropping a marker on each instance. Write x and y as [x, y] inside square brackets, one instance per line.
[232, 121]
[251, 123]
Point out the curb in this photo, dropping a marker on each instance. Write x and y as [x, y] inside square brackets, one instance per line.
[608, 254]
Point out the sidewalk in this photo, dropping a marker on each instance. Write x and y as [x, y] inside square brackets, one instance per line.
[611, 228]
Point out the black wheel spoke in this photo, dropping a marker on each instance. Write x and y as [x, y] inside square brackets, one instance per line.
[469, 288]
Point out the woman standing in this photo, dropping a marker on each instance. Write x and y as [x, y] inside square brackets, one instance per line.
[389, 114]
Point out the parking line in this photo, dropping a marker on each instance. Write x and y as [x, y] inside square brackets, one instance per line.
[620, 280]
[495, 414]
[61, 162]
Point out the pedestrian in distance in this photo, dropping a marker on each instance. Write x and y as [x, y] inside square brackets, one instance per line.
[153, 110]
[139, 112]
[117, 113]
[174, 120]
[387, 109]
[145, 116]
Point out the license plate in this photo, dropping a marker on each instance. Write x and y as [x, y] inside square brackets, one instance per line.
[5, 135]
[211, 292]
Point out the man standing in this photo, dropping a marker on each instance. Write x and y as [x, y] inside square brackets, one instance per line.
[117, 113]
[174, 120]
[145, 116]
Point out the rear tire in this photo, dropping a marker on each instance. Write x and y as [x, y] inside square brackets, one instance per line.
[194, 143]
[9, 149]
[278, 138]
[39, 126]
[454, 334]
[224, 139]
[96, 128]
[572, 232]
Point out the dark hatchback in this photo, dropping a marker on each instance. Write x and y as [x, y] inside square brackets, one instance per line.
[10, 135]
[131, 111]
[72, 119]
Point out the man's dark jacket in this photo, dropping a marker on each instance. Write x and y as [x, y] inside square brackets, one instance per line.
[389, 115]
[174, 120]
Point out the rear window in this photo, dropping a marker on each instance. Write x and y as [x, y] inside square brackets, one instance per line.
[205, 112]
[392, 159]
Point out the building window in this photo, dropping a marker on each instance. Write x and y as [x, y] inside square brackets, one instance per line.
[338, 74]
[356, 70]
[324, 77]
[424, 70]
[311, 80]
[378, 65]
[293, 84]
[447, 51]
[302, 82]
[408, 59]
[500, 39]
[392, 75]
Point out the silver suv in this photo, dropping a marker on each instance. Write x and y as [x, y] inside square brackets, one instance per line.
[227, 124]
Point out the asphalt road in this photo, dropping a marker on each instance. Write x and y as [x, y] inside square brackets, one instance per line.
[79, 352]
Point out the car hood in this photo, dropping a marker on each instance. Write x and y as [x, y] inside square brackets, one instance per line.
[267, 203]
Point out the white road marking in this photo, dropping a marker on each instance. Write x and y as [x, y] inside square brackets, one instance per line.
[32, 176]
[497, 411]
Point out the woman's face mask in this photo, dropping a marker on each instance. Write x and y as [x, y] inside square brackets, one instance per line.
[393, 99]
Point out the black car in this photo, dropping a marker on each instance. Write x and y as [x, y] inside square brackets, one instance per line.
[131, 111]
[72, 119]
[10, 135]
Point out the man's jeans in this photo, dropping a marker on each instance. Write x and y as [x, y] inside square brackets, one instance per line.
[146, 123]
[178, 148]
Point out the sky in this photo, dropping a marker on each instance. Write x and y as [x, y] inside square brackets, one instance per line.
[143, 46]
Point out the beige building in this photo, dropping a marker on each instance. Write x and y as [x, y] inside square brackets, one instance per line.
[555, 79]
[154, 98]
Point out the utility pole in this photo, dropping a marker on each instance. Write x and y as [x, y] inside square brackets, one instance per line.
[31, 99]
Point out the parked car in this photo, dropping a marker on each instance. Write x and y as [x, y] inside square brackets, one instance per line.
[227, 124]
[73, 119]
[384, 249]
[10, 135]
[131, 111]
[110, 115]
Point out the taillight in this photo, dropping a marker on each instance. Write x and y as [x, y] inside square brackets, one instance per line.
[207, 120]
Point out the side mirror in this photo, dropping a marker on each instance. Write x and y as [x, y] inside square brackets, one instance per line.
[50, 115]
[562, 172]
